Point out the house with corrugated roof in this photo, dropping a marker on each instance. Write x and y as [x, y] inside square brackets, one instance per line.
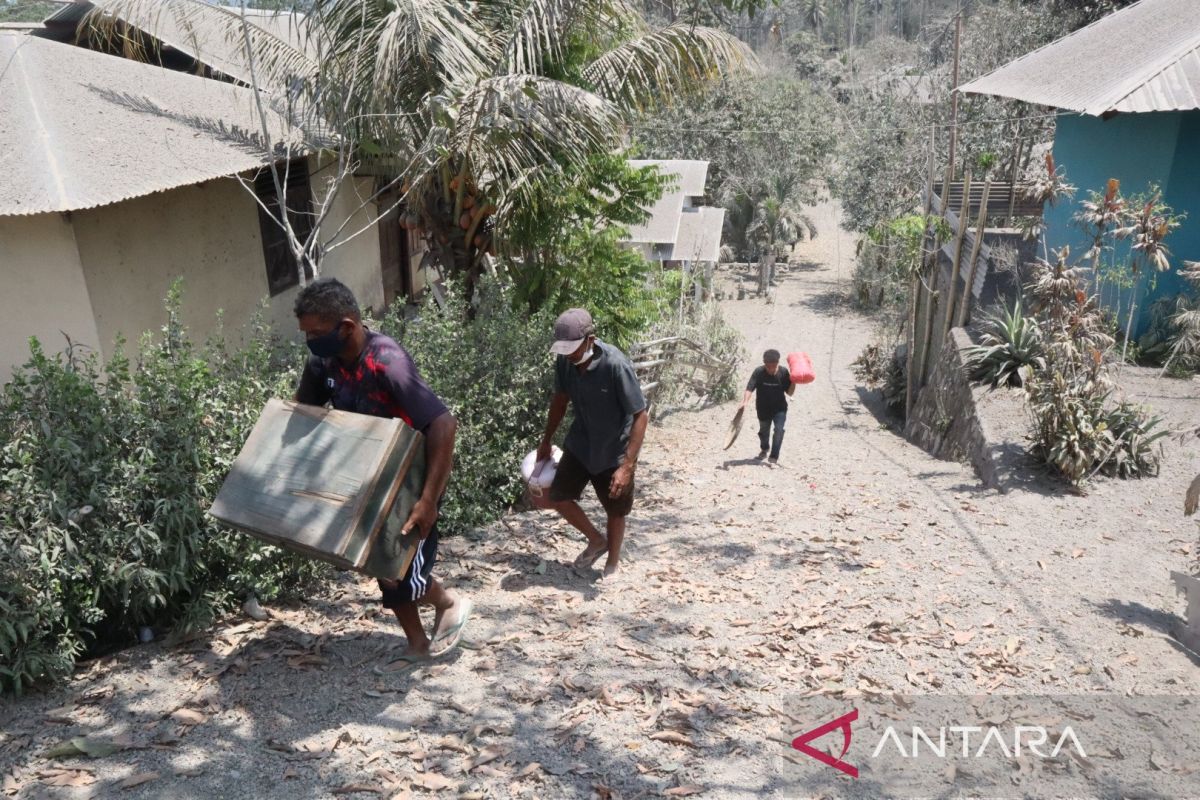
[122, 176]
[680, 232]
[680, 229]
[1128, 92]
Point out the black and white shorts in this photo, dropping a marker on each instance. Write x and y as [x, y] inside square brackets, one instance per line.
[415, 583]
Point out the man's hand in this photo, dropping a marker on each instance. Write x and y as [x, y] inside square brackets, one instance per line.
[545, 451]
[622, 480]
[424, 514]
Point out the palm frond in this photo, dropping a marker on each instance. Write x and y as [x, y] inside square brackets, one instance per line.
[662, 65]
[513, 128]
[533, 33]
[215, 35]
[404, 49]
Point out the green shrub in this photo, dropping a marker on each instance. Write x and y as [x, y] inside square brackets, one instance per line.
[106, 473]
[1010, 348]
[496, 375]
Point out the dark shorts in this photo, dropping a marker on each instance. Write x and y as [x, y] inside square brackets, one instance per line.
[415, 583]
[571, 476]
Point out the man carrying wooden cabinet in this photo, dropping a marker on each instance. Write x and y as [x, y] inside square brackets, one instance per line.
[360, 370]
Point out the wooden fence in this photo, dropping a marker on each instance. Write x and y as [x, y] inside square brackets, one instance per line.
[953, 272]
[688, 362]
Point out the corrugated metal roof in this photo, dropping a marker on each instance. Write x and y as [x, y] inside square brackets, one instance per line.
[699, 237]
[81, 129]
[1145, 57]
[692, 175]
[663, 224]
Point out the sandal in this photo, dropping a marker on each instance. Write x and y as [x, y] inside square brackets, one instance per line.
[452, 635]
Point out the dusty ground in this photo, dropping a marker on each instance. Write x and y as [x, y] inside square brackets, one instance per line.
[858, 567]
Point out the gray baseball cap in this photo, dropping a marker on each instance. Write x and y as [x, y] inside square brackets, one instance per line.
[570, 329]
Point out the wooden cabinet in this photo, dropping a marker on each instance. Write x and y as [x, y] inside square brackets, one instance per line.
[332, 485]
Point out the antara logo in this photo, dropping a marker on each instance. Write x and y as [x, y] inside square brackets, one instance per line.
[801, 743]
[1026, 739]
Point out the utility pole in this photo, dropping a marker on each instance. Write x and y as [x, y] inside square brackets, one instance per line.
[954, 87]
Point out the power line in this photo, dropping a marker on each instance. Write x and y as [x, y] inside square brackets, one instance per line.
[879, 129]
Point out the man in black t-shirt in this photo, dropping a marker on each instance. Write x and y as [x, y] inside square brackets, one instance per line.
[360, 370]
[771, 381]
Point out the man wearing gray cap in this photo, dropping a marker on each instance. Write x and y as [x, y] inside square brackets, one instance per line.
[605, 437]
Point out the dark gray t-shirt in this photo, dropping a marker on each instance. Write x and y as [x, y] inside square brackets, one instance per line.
[606, 395]
[769, 390]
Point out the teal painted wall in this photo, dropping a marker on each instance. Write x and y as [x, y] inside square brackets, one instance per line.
[1138, 150]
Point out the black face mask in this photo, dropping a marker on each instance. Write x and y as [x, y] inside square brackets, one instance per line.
[327, 346]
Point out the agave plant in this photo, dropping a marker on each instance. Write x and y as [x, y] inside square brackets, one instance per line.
[1133, 434]
[1011, 346]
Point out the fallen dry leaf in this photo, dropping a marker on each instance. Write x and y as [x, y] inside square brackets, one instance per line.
[67, 777]
[529, 769]
[963, 637]
[188, 716]
[1011, 646]
[673, 737]
[683, 791]
[486, 756]
[355, 788]
[434, 782]
[138, 780]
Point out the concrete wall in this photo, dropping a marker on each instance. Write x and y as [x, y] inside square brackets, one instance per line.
[44, 291]
[208, 235]
[1139, 150]
[944, 421]
[132, 251]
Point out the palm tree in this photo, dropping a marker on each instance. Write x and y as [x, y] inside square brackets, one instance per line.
[472, 107]
[763, 215]
[814, 15]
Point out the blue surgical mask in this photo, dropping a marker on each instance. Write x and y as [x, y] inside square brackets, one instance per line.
[327, 346]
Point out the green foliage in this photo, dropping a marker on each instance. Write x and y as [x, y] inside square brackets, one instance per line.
[1133, 434]
[887, 258]
[105, 478]
[26, 10]
[566, 252]
[1010, 348]
[495, 374]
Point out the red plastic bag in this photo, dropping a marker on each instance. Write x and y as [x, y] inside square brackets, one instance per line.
[800, 368]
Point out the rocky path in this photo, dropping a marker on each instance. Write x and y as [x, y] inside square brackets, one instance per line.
[856, 569]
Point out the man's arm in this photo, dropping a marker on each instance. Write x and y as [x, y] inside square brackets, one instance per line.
[558, 410]
[791, 384]
[623, 477]
[311, 390]
[439, 457]
[750, 386]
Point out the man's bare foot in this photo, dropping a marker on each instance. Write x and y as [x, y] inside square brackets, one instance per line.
[611, 568]
[590, 556]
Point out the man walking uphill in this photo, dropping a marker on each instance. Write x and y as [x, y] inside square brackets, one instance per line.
[363, 371]
[605, 438]
[771, 381]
